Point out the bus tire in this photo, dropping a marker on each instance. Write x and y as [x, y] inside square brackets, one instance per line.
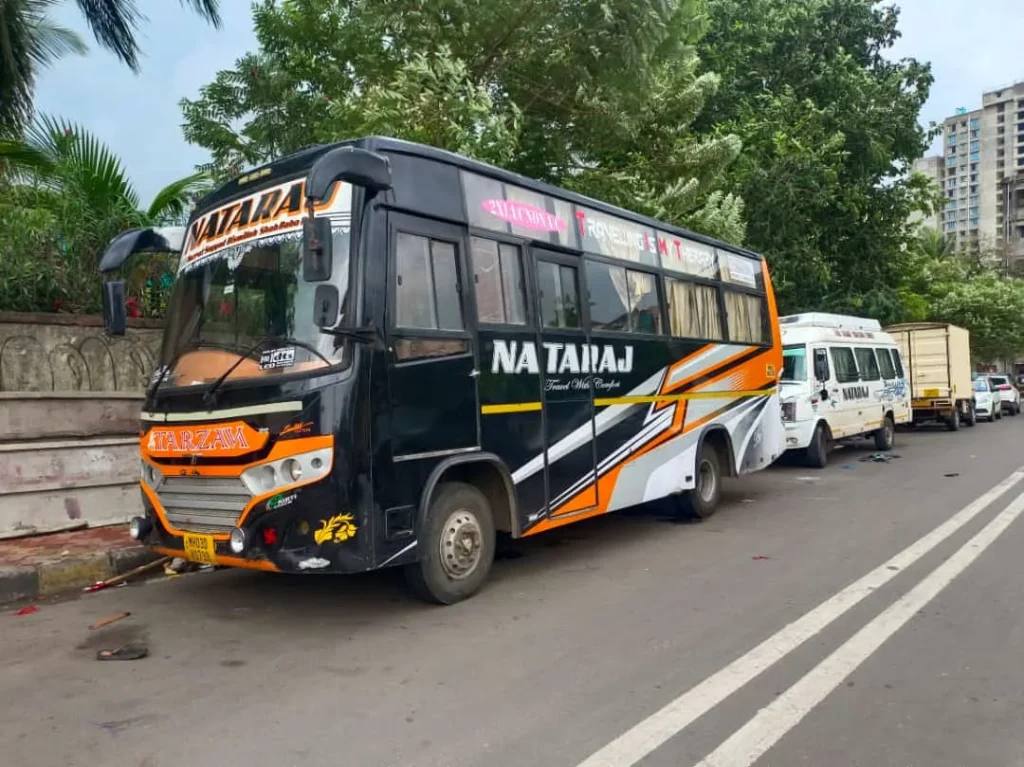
[885, 437]
[458, 541]
[702, 500]
[817, 452]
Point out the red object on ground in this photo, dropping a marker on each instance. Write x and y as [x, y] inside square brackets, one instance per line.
[760, 556]
[35, 549]
[27, 610]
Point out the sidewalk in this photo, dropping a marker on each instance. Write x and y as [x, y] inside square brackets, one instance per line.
[42, 565]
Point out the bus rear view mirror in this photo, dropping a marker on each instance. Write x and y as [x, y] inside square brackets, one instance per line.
[359, 167]
[316, 249]
[325, 306]
[115, 318]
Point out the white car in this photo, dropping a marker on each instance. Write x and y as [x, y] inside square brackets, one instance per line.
[987, 403]
[1008, 394]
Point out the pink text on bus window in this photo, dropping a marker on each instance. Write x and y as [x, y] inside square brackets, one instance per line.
[524, 215]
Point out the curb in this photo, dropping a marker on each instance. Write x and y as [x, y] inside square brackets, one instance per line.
[69, 574]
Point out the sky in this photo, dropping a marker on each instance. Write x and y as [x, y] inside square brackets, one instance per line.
[139, 118]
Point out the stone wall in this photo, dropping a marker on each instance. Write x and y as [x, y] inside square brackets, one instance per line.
[66, 353]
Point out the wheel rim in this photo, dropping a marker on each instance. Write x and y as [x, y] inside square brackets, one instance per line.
[461, 544]
[889, 432]
[707, 482]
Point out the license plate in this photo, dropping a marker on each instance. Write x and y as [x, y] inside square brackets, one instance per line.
[930, 393]
[199, 548]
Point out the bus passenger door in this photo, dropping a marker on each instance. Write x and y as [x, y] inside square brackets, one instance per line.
[566, 385]
[431, 356]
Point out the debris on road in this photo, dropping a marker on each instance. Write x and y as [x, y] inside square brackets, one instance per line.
[107, 621]
[878, 458]
[847, 466]
[760, 556]
[125, 652]
[29, 610]
[117, 579]
[952, 474]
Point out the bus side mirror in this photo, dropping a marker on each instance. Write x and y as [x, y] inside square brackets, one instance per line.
[316, 249]
[115, 317]
[325, 306]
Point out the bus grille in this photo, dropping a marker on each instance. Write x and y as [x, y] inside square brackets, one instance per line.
[203, 504]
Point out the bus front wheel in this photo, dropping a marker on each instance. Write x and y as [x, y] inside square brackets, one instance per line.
[458, 546]
[702, 501]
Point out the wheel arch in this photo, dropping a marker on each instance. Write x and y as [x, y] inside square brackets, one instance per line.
[719, 436]
[489, 474]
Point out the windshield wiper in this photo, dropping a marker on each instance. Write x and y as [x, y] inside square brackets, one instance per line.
[210, 395]
[365, 335]
[165, 370]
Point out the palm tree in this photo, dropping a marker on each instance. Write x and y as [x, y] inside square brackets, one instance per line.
[62, 169]
[30, 42]
[115, 22]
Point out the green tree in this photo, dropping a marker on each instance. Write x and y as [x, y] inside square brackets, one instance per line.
[66, 195]
[992, 309]
[597, 95]
[30, 42]
[829, 126]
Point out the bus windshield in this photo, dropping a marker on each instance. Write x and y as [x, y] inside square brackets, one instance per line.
[794, 363]
[228, 302]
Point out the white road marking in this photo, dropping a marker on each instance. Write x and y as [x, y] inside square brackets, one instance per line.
[747, 744]
[647, 735]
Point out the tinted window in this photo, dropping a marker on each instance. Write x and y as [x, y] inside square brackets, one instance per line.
[897, 362]
[426, 284]
[867, 364]
[746, 317]
[794, 363]
[693, 310]
[885, 363]
[559, 295]
[999, 380]
[622, 299]
[844, 364]
[498, 282]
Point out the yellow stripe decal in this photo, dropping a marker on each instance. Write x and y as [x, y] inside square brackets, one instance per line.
[514, 407]
[524, 407]
[646, 400]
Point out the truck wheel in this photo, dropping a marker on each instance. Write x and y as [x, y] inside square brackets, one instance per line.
[457, 543]
[953, 422]
[885, 437]
[702, 501]
[817, 451]
[972, 416]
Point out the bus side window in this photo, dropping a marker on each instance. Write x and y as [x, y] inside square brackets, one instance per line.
[885, 363]
[746, 317]
[622, 299]
[822, 372]
[867, 363]
[427, 296]
[498, 282]
[845, 365]
[559, 295]
[693, 310]
[897, 362]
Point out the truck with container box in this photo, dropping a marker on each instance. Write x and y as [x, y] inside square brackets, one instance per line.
[937, 358]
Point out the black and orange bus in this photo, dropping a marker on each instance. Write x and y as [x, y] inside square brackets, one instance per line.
[381, 354]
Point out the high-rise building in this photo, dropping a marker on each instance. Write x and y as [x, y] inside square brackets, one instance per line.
[983, 174]
[931, 167]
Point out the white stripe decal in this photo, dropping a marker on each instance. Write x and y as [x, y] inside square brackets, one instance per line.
[216, 415]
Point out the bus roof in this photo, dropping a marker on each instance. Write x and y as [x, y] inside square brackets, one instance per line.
[301, 160]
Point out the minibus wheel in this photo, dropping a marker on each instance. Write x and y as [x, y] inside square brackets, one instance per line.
[885, 437]
[817, 451]
[457, 543]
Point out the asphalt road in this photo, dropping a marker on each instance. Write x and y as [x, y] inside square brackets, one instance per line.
[868, 614]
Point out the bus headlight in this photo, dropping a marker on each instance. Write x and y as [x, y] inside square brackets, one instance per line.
[308, 467]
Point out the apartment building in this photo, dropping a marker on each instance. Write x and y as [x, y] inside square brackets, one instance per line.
[983, 174]
[931, 167]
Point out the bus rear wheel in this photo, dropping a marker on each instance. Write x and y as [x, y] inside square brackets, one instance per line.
[702, 501]
[457, 542]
